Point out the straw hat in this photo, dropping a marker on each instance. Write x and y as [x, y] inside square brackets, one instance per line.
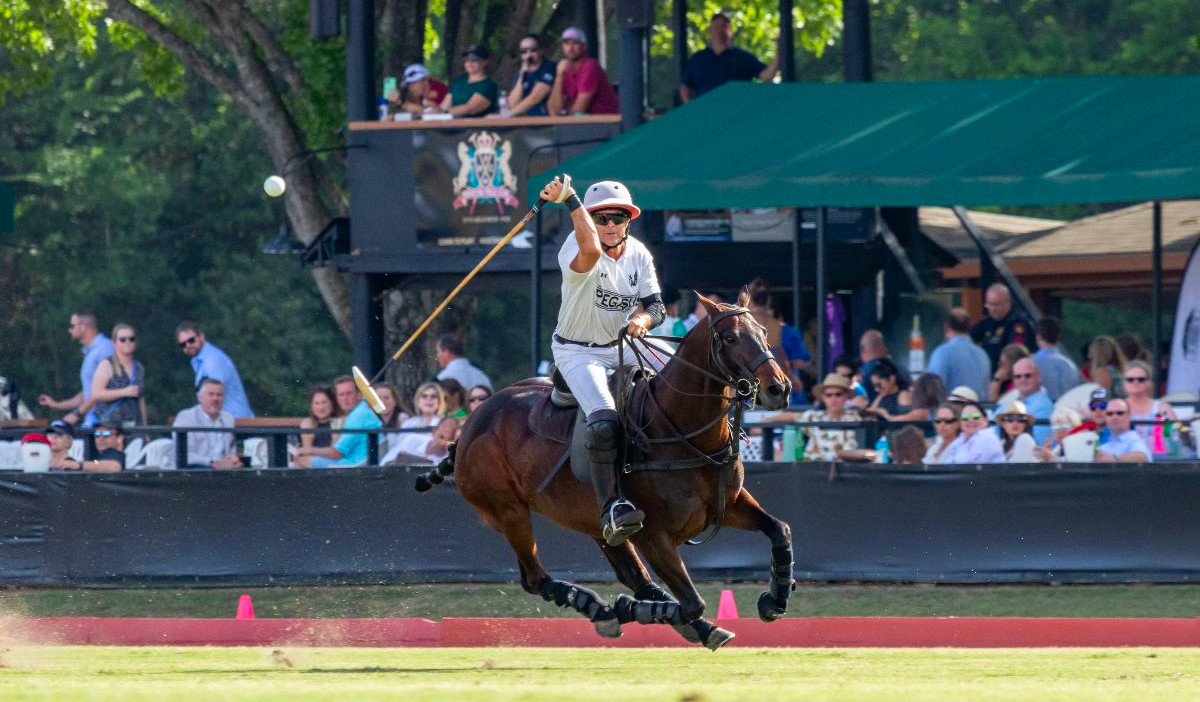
[1016, 407]
[835, 380]
[962, 393]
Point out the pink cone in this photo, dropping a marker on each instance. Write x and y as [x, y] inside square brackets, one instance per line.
[727, 609]
[245, 608]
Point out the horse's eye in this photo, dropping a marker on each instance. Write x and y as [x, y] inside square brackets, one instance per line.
[730, 338]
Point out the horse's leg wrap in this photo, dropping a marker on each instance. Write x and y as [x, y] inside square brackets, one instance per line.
[437, 476]
[577, 597]
[651, 592]
[773, 603]
[648, 612]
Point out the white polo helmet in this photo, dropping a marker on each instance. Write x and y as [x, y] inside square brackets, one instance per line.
[610, 193]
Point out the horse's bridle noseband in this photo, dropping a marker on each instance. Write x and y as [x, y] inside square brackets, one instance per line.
[744, 382]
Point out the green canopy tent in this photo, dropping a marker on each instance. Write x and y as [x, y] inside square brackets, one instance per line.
[1026, 141]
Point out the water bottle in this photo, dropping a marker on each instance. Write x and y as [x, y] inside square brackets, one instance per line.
[916, 348]
[881, 450]
[504, 111]
[800, 442]
[383, 109]
[789, 444]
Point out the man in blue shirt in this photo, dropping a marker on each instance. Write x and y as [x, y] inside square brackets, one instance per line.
[1059, 373]
[958, 361]
[1028, 383]
[721, 62]
[208, 361]
[351, 449]
[96, 349]
[1125, 445]
[534, 81]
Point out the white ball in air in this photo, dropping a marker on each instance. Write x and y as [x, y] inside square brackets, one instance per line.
[274, 186]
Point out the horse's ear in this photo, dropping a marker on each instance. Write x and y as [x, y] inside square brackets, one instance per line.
[744, 297]
[712, 307]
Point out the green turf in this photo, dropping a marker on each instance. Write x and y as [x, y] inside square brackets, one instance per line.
[508, 600]
[675, 675]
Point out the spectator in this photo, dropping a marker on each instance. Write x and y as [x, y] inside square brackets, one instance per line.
[830, 444]
[672, 324]
[535, 80]
[351, 448]
[721, 62]
[96, 348]
[699, 312]
[1124, 445]
[1002, 326]
[1015, 424]
[977, 443]
[62, 437]
[1059, 373]
[784, 339]
[846, 366]
[1028, 382]
[209, 449]
[346, 393]
[892, 396]
[1062, 423]
[394, 413]
[581, 86]
[429, 404]
[450, 357]
[118, 386]
[946, 426]
[1106, 365]
[958, 361]
[208, 361]
[927, 394]
[456, 398]
[477, 396]
[960, 396]
[473, 94]
[1002, 380]
[110, 449]
[1096, 422]
[872, 350]
[323, 411]
[421, 92]
[1133, 349]
[1142, 406]
[421, 448]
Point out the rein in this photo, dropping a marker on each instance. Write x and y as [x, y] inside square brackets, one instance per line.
[740, 380]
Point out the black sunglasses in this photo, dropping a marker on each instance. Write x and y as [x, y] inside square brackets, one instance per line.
[187, 342]
[945, 421]
[610, 218]
[1135, 379]
[129, 339]
[478, 399]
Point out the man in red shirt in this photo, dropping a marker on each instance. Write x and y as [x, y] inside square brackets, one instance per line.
[581, 86]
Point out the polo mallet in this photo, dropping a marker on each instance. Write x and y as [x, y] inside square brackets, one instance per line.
[364, 386]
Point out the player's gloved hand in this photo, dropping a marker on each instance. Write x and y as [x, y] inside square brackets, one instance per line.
[558, 190]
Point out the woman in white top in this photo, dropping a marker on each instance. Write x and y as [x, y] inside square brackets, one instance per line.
[946, 426]
[977, 443]
[430, 405]
[606, 274]
[1016, 423]
[1062, 422]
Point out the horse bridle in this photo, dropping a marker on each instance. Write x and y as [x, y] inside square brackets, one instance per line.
[745, 372]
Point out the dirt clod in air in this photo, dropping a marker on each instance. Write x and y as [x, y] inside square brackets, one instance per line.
[281, 659]
[489, 664]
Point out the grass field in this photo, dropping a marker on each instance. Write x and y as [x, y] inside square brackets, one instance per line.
[508, 600]
[414, 675]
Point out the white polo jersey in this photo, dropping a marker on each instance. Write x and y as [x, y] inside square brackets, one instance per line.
[595, 304]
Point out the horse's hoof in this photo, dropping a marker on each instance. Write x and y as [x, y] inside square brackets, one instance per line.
[717, 638]
[768, 611]
[688, 631]
[607, 625]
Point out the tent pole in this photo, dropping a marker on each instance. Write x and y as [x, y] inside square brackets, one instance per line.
[798, 236]
[787, 42]
[987, 253]
[679, 40]
[822, 333]
[1156, 301]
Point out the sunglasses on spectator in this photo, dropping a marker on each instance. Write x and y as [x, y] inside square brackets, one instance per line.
[943, 420]
[603, 218]
[1097, 405]
[1012, 418]
[832, 395]
[187, 342]
[1022, 376]
[127, 339]
[1115, 413]
[1136, 379]
[971, 417]
[105, 433]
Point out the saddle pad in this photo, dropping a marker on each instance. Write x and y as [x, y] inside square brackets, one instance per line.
[551, 422]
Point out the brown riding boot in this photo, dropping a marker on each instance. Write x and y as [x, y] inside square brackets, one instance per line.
[619, 519]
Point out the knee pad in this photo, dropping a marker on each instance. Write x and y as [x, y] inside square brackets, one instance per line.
[603, 429]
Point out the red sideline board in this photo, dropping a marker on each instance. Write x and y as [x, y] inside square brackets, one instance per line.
[816, 632]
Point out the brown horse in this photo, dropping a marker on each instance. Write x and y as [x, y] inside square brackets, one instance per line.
[678, 416]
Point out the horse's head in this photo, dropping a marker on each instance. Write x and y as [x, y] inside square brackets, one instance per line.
[741, 354]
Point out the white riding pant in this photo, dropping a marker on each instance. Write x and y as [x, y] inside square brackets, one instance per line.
[586, 370]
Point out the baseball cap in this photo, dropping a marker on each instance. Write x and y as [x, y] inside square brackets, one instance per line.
[962, 393]
[574, 34]
[415, 72]
[1099, 397]
[35, 438]
[58, 426]
[476, 50]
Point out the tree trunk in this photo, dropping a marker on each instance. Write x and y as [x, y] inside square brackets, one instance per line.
[520, 16]
[401, 33]
[404, 310]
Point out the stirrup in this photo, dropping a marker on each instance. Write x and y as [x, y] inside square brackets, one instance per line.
[617, 528]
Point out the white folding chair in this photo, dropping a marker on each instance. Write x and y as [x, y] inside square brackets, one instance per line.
[10, 455]
[157, 455]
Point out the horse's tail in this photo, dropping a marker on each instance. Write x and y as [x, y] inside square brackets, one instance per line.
[426, 481]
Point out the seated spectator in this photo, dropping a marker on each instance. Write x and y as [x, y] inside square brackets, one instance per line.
[347, 394]
[535, 80]
[477, 396]
[418, 448]
[323, 411]
[892, 396]
[1124, 445]
[110, 449]
[1106, 365]
[1062, 423]
[1059, 373]
[473, 94]
[393, 416]
[1028, 383]
[61, 436]
[209, 449]
[846, 366]
[977, 443]
[946, 426]
[957, 360]
[421, 92]
[456, 398]
[351, 447]
[119, 382]
[830, 444]
[721, 62]
[451, 358]
[961, 395]
[1015, 425]
[872, 349]
[429, 403]
[1002, 380]
[927, 394]
[581, 86]
[1142, 406]
[1096, 421]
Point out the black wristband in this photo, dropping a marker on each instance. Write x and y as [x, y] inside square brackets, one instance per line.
[573, 203]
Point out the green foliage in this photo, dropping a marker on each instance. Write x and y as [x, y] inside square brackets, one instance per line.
[32, 32]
